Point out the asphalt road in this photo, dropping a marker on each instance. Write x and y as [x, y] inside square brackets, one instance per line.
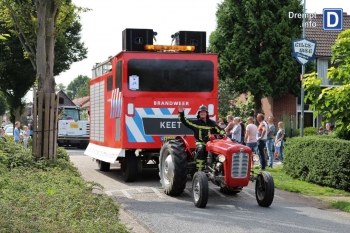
[147, 209]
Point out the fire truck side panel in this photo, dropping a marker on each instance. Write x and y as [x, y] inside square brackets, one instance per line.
[129, 110]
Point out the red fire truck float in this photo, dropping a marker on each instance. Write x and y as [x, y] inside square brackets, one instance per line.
[134, 98]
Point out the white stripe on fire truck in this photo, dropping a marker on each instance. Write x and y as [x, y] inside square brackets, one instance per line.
[134, 130]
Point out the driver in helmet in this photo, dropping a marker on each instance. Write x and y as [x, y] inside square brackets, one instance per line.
[202, 127]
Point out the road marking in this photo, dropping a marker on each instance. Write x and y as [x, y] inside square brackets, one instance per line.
[188, 192]
[248, 193]
[126, 194]
[218, 192]
[157, 192]
[279, 197]
[139, 190]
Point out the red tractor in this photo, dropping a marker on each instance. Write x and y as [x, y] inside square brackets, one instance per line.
[228, 166]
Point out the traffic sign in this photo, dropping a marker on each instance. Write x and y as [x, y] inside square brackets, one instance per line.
[304, 50]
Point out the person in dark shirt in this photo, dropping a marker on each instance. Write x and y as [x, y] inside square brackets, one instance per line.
[202, 127]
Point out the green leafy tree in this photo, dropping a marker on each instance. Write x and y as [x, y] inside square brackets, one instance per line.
[61, 87]
[227, 97]
[39, 24]
[79, 87]
[3, 105]
[333, 102]
[253, 39]
[244, 109]
[16, 75]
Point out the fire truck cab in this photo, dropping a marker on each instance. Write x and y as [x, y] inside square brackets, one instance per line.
[134, 98]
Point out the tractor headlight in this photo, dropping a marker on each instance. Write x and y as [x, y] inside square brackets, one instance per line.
[221, 158]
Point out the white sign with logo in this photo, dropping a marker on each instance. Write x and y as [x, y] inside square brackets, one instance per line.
[304, 50]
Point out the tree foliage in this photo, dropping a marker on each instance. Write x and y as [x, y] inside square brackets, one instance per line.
[3, 106]
[253, 39]
[244, 109]
[79, 87]
[61, 87]
[65, 37]
[16, 74]
[333, 102]
[227, 97]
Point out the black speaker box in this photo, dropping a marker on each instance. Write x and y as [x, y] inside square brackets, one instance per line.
[136, 39]
[197, 39]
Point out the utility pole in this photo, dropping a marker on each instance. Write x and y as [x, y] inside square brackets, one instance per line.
[302, 78]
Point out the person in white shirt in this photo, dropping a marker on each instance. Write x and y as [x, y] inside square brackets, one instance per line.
[236, 131]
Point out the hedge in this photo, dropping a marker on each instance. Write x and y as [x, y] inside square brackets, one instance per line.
[323, 160]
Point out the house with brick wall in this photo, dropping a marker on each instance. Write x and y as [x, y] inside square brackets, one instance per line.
[291, 105]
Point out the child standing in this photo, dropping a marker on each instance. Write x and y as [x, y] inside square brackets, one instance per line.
[279, 142]
[25, 136]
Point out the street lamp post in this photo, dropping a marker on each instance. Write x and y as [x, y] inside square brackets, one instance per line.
[302, 88]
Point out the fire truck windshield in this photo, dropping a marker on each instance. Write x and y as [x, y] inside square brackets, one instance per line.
[172, 75]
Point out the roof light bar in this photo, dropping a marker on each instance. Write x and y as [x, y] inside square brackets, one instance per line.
[184, 48]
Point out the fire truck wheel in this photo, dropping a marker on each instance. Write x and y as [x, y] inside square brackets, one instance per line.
[229, 191]
[173, 167]
[129, 167]
[200, 189]
[103, 166]
[264, 189]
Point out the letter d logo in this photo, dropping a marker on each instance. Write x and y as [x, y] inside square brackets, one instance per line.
[333, 19]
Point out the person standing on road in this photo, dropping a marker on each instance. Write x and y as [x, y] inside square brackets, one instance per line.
[202, 127]
[237, 130]
[242, 130]
[270, 141]
[16, 134]
[250, 135]
[279, 142]
[262, 138]
[229, 126]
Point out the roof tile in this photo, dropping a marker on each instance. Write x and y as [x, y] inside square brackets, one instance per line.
[325, 39]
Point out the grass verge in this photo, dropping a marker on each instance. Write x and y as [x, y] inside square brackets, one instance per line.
[50, 196]
[286, 182]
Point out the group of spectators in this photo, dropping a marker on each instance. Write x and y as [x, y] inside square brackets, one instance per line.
[257, 137]
[16, 134]
[329, 129]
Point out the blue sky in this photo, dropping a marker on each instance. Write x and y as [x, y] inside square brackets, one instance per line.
[103, 25]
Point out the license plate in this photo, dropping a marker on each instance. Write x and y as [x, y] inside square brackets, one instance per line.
[74, 125]
[166, 138]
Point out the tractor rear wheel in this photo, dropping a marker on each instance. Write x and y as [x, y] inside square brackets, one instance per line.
[129, 167]
[103, 166]
[200, 189]
[264, 189]
[173, 167]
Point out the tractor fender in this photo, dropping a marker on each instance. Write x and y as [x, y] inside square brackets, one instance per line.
[187, 146]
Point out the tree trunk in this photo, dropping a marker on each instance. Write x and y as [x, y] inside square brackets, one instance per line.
[46, 103]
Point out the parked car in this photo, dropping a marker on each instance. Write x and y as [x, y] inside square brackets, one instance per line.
[9, 131]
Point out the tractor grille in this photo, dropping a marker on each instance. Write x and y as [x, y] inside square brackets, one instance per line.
[240, 162]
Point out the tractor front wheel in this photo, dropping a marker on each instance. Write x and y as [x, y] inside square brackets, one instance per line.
[264, 189]
[200, 189]
[173, 167]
